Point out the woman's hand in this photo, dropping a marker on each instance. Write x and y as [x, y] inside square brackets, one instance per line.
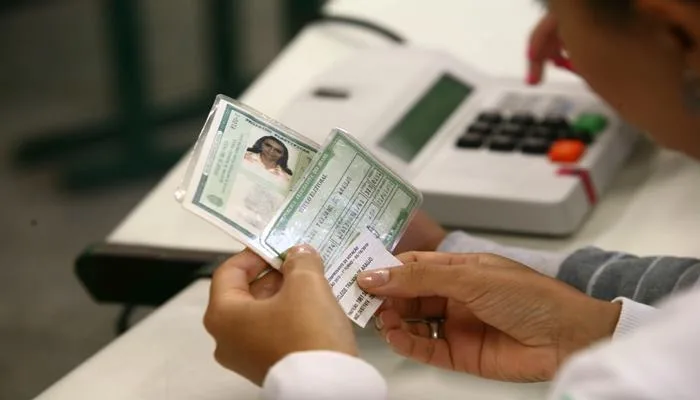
[545, 46]
[257, 325]
[502, 320]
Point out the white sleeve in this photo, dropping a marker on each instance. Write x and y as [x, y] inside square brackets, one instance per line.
[660, 360]
[322, 375]
[632, 316]
[544, 262]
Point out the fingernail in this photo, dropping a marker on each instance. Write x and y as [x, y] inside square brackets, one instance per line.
[299, 250]
[378, 323]
[531, 79]
[565, 64]
[373, 279]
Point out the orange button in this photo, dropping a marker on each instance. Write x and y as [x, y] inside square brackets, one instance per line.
[567, 151]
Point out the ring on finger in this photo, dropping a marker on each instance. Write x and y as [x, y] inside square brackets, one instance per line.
[262, 274]
[437, 328]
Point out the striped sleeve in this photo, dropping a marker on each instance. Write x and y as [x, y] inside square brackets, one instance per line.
[607, 276]
[601, 274]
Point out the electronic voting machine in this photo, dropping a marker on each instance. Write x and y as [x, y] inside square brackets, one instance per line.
[487, 153]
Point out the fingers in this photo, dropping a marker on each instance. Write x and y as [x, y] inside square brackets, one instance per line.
[302, 259]
[413, 341]
[267, 286]
[436, 258]
[231, 279]
[545, 46]
[535, 72]
[303, 270]
[561, 61]
[417, 308]
[417, 280]
[542, 41]
[389, 320]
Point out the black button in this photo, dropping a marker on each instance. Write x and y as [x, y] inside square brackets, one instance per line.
[502, 143]
[512, 130]
[524, 119]
[543, 132]
[556, 122]
[583, 135]
[575, 134]
[533, 145]
[470, 141]
[480, 128]
[490, 117]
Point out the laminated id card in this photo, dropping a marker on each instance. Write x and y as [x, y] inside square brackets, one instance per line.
[271, 188]
[242, 170]
[345, 192]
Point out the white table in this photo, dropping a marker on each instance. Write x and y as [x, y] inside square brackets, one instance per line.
[651, 209]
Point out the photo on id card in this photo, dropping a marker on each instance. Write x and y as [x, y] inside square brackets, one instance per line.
[244, 171]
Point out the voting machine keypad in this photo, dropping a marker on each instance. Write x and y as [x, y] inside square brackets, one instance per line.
[555, 136]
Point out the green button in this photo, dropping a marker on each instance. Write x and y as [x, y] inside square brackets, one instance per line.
[591, 123]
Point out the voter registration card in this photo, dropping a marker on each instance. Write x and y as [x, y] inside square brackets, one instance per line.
[243, 167]
[345, 191]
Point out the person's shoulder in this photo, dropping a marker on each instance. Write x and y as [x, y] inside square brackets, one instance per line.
[250, 156]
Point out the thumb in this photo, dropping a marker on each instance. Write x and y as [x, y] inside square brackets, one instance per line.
[460, 282]
[302, 262]
[304, 277]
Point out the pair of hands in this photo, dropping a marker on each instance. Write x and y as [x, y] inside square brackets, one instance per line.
[257, 324]
[502, 320]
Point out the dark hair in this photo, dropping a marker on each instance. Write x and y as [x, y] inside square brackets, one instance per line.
[617, 8]
[609, 8]
[282, 162]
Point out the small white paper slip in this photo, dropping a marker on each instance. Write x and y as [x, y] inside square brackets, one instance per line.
[365, 253]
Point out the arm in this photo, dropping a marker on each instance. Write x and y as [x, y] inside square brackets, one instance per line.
[603, 275]
[321, 375]
[633, 281]
[659, 361]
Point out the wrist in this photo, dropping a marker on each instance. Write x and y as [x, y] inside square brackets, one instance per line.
[603, 327]
[594, 321]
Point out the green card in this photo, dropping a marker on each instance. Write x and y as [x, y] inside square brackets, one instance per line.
[344, 191]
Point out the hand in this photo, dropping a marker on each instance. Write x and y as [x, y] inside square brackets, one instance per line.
[257, 325]
[422, 234]
[545, 46]
[502, 320]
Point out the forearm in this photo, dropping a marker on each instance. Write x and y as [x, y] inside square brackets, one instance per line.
[600, 274]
